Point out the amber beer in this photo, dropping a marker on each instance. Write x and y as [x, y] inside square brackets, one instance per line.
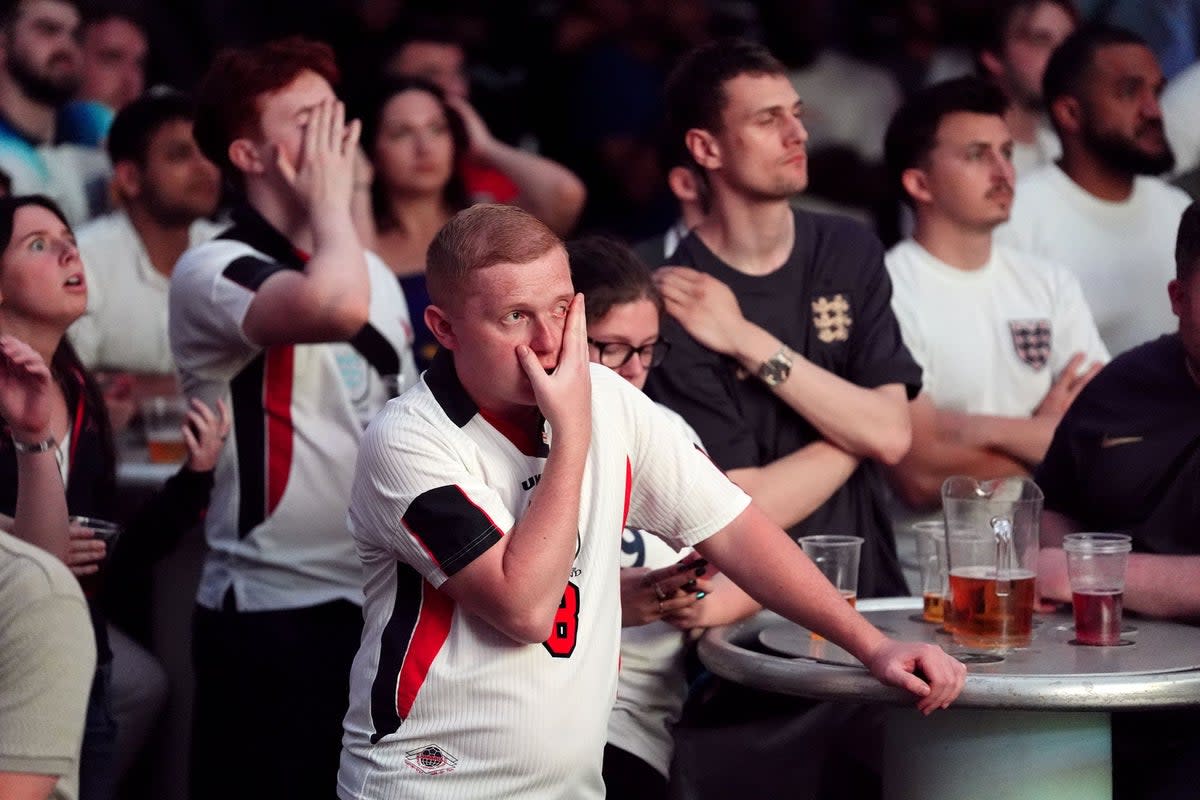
[933, 610]
[1098, 617]
[979, 617]
[166, 451]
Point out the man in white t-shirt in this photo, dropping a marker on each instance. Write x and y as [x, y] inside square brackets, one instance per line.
[1005, 340]
[1021, 35]
[1099, 211]
[39, 72]
[167, 188]
[306, 336]
[487, 503]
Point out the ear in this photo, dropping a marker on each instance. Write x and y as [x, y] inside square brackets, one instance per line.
[1067, 113]
[991, 64]
[127, 179]
[438, 322]
[244, 155]
[703, 147]
[1177, 291]
[683, 184]
[916, 183]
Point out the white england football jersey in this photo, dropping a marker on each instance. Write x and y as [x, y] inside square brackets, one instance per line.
[443, 705]
[276, 526]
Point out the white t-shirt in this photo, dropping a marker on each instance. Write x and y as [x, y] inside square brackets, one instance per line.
[125, 326]
[276, 526]
[73, 176]
[442, 704]
[1044, 149]
[991, 340]
[1122, 253]
[652, 684]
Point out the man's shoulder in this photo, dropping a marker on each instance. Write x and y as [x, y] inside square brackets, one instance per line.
[110, 230]
[1163, 195]
[33, 573]
[1138, 377]
[834, 238]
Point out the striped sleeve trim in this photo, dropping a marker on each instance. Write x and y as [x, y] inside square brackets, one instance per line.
[251, 272]
[453, 530]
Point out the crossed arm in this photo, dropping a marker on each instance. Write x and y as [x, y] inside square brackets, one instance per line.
[1156, 585]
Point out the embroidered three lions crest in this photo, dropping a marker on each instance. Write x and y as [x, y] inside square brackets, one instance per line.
[831, 318]
[1031, 338]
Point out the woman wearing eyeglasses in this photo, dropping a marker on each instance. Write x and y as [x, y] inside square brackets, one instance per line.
[664, 594]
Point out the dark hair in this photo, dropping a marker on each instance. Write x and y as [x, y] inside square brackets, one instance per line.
[695, 90]
[422, 28]
[1072, 60]
[65, 365]
[1002, 13]
[609, 274]
[227, 100]
[455, 193]
[1187, 243]
[9, 9]
[480, 237]
[135, 124]
[97, 13]
[912, 133]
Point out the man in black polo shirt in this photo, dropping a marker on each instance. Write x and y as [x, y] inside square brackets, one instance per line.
[1126, 457]
[786, 357]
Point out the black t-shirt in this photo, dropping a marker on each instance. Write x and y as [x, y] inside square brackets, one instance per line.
[831, 303]
[1126, 456]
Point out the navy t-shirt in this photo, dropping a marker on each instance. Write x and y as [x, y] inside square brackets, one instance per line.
[831, 303]
[1126, 456]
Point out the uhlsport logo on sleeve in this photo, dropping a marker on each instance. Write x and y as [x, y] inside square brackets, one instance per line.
[430, 759]
[831, 317]
[1032, 338]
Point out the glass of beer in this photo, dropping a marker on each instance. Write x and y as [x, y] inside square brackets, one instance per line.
[1096, 568]
[931, 560]
[162, 420]
[992, 549]
[107, 532]
[837, 559]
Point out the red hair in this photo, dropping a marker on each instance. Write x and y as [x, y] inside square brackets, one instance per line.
[227, 102]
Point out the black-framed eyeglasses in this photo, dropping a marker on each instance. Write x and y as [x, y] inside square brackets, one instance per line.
[615, 355]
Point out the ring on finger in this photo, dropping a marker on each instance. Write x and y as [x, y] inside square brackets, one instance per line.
[660, 608]
[659, 593]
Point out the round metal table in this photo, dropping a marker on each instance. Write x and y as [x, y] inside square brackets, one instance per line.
[1032, 722]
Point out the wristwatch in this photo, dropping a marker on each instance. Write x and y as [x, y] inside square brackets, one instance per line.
[776, 369]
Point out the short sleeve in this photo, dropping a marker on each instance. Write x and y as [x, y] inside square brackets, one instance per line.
[414, 498]
[677, 492]
[211, 290]
[908, 317]
[878, 355]
[47, 662]
[1075, 329]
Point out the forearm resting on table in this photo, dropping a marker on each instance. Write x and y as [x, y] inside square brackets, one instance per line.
[865, 422]
[518, 584]
[1163, 586]
[790, 488]
[760, 558]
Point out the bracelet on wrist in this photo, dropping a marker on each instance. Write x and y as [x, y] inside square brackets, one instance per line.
[49, 443]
